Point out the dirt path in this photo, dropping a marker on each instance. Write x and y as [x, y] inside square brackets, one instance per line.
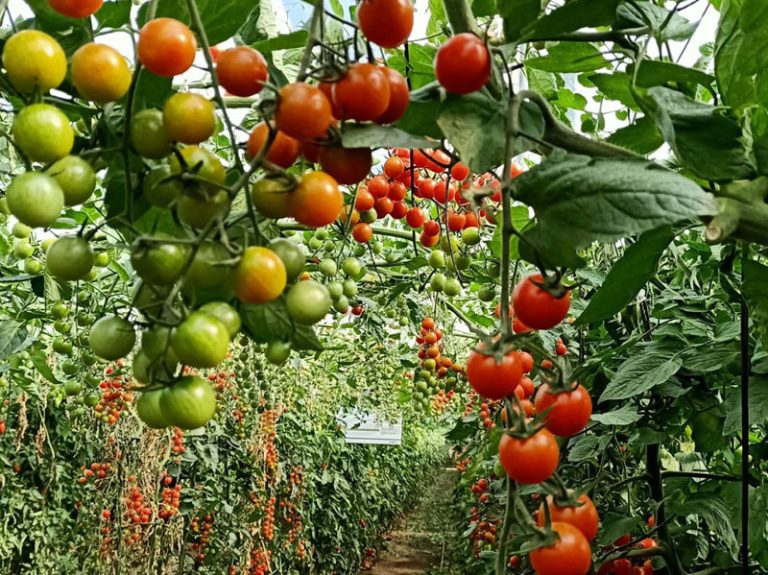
[420, 544]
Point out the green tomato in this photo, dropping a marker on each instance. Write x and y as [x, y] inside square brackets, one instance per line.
[486, 293]
[377, 247]
[62, 326]
[61, 345]
[315, 244]
[22, 249]
[335, 289]
[278, 352]
[359, 250]
[112, 337]
[101, 259]
[36, 199]
[226, 314]
[69, 258]
[76, 178]
[322, 234]
[341, 304]
[452, 287]
[308, 302]
[292, 255]
[436, 259]
[328, 268]
[350, 288]
[437, 283]
[20, 230]
[159, 189]
[368, 216]
[352, 267]
[33, 267]
[328, 246]
[470, 236]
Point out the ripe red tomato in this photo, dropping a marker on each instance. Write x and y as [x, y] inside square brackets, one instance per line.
[560, 348]
[426, 188]
[284, 150]
[519, 327]
[348, 165]
[434, 160]
[399, 97]
[444, 194]
[456, 221]
[363, 93]
[530, 460]
[303, 111]
[362, 233]
[76, 8]
[397, 191]
[384, 207]
[569, 412]
[364, 201]
[415, 218]
[242, 71]
[459, 172]
[491, 379]
[570, 555]
[622, 566]
[166, 47]
[472, 221]
[583, 518]
[527, 360]
[378, 186]
[428, 323]
[387, 23]
[463, 64]
[394, 167]
[431, 228]
[537, 308]
[526, 384]
[399, 210]
[648, 543]
[317, 200]
[428, 240]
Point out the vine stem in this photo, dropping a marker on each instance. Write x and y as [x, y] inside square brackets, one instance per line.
[317, 16]
[501, 557]
[746, 366]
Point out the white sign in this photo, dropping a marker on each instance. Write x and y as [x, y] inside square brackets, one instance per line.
[370, 428]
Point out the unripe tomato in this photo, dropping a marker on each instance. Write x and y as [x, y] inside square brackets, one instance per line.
[303, 111]
[76, 178]
[166, 47]
[100, 73]
[242, 71]
[76, 8]
[536, 307]
[34, 59]
[317, 200]
[463, 64]
[148, 135]
[284, 150]
[530, 460]
[189, 118]
[347, 165]
[570, 555]
[69, 258]
[567, 413]
[362, 93]
[260, 276]
[387, 23]
[203, 163]
[35, 199]
[399, 97]
[492, 379]
[362, 233]
[43, 133]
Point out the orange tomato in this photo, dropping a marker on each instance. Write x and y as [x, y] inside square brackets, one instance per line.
[284, 150]
[317, 200]
[166, 47]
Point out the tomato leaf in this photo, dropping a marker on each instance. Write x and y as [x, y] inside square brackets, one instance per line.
[758, 405]
[614, 87]
[653, 73]
[517, 14]
[628, 276]
[639, 374]
[114, 14]
[614, 525]
[13, 338]
[270, 322]
[372, 136]
[295, 39]
[642, 136]
[755, 288]
[579, 199]
[666, 26]
[40, 361]
[625, 415]
[569, 57]
[573, 16]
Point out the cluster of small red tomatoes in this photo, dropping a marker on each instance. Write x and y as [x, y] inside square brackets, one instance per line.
[626, 566]
[430, 349]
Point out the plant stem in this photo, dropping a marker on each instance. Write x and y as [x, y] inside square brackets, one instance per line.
[746, 367]
[501, 556]
[653, 465]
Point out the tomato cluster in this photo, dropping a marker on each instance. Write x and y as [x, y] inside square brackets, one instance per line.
[114, 398]
[204, 531]
[138, 514]
[438, 371]
[96, 471]
[171, 495]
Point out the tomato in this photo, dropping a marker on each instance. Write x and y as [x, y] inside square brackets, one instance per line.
[397, 191]
[584, 517]
[394, 167]
[431, 228]
[527, 360]
[35, 199]
[159, 189]
[308, 302]
[530, 460]
[100, 73]
[201, 340]
[537, 308]
[399, 210]
[364, 200]
[303, 111]
[519, 327]
[198, 213]
[206, 278]
[189, 403]
[206, 165]
[260, 276]
[362, 93]
[459, 172]
[362, 233]
[456, 221]
[378, 186]
[526, 384]
[226, 314]
[242, 71]
[43, 133]
[158, 262]
[415, 218]
[648, 567]
[426, 188]
[189, 118]
[570, 555]
[33, 59]
[648, 543]
[434, 160]
[492, 379]
[76, 8]
[428, 240]
[472, 221]
[272, 196]
[149, 411]
[569, 412]
[463, 64]
[387, 23]
[317, 200]
[347, 165]
[310, 151]
[166, 47]
[112, 337]
[148, 136]
[76, 178]
[399, 97]
[284, 150]
[69, 258]
[622, 566]
[384, 207]
[278, 352]
[560, 348]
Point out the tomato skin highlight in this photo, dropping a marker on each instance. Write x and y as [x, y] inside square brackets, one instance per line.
[494, 380]
[166, 47]
[463, 64]
[537, 308]
[571, 555]
[583, 518]
[566, 414]
[387, 23]
[530, 460]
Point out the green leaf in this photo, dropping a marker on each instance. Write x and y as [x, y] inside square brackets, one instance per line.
[646, 14]
[221, 18]
[520, 217]
[71, 33]
[640, 373]
[114, 14]
[573, 16]
[614, 525]
[655, 73]
[151, 91]
[517, 15]
[270, 322]
[569, 57]
[373, 136]
[578, 199]
[541, 247]
[615, 87]
[295, 39]
[437, 17]
[758, 405]
[628, 276]
[712, 509]
[642, 136]
[13, 338]
[713, 360]
[305, 338]
[625, 415]
[421, 69]
[755, 288]
[40, 361]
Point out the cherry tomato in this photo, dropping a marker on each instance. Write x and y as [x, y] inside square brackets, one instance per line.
[560, 348]
[166, 47]
[34, 59]
[303, 111]
[362, 93]
[428, 240]
[347, 165]
[584, 518]
[463, 64]
[362, 233]
[189, 118]
[399, 97]
[283, 152]
[492, 379]
[526, 384]
[317, 200]
[242, 71]
[459, 172]
[472, 221]
[76, 8]
[530, 460]
[397, 191]
[431, 228]
[394, 167]
[456, 221]
[566, 413]
[415, 218]
[536, 307]
[364, 201]
[387, 23]
[100, 73]
[527, 360]
[378, 186]
[384, 207]
[570, 555]
[426, 188]
[622, 566]
[399, 210]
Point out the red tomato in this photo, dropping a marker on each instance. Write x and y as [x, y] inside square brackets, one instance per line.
[428, 323]
[463, 64]
[584, 518]
[387, 23]
[394, 167]
[570, 555]
[472, 221]
[526, 384]
[378, 186]
[242, 71]
[536, 307]
[362, 233]
[363, 93]
[560, 348]
[623, 540]
[303, 111]
[530, 460]
[527, 360]
[348, 165]
[426, 188]
[215, 52]
[76, 8]
[456, 221]
[434, 160]
[622, 566]
[566, 413]
[384, 207]
[397, 191]
[284, 150]
[399, 97]
[519, 327]
[399, 210]
[491, 379]
[428, 240]
[444, 194]
[415, 218]
[166, 47]
[431, 228]
[364, 200]
[327, 89]
[648, 543]
[459, 172]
